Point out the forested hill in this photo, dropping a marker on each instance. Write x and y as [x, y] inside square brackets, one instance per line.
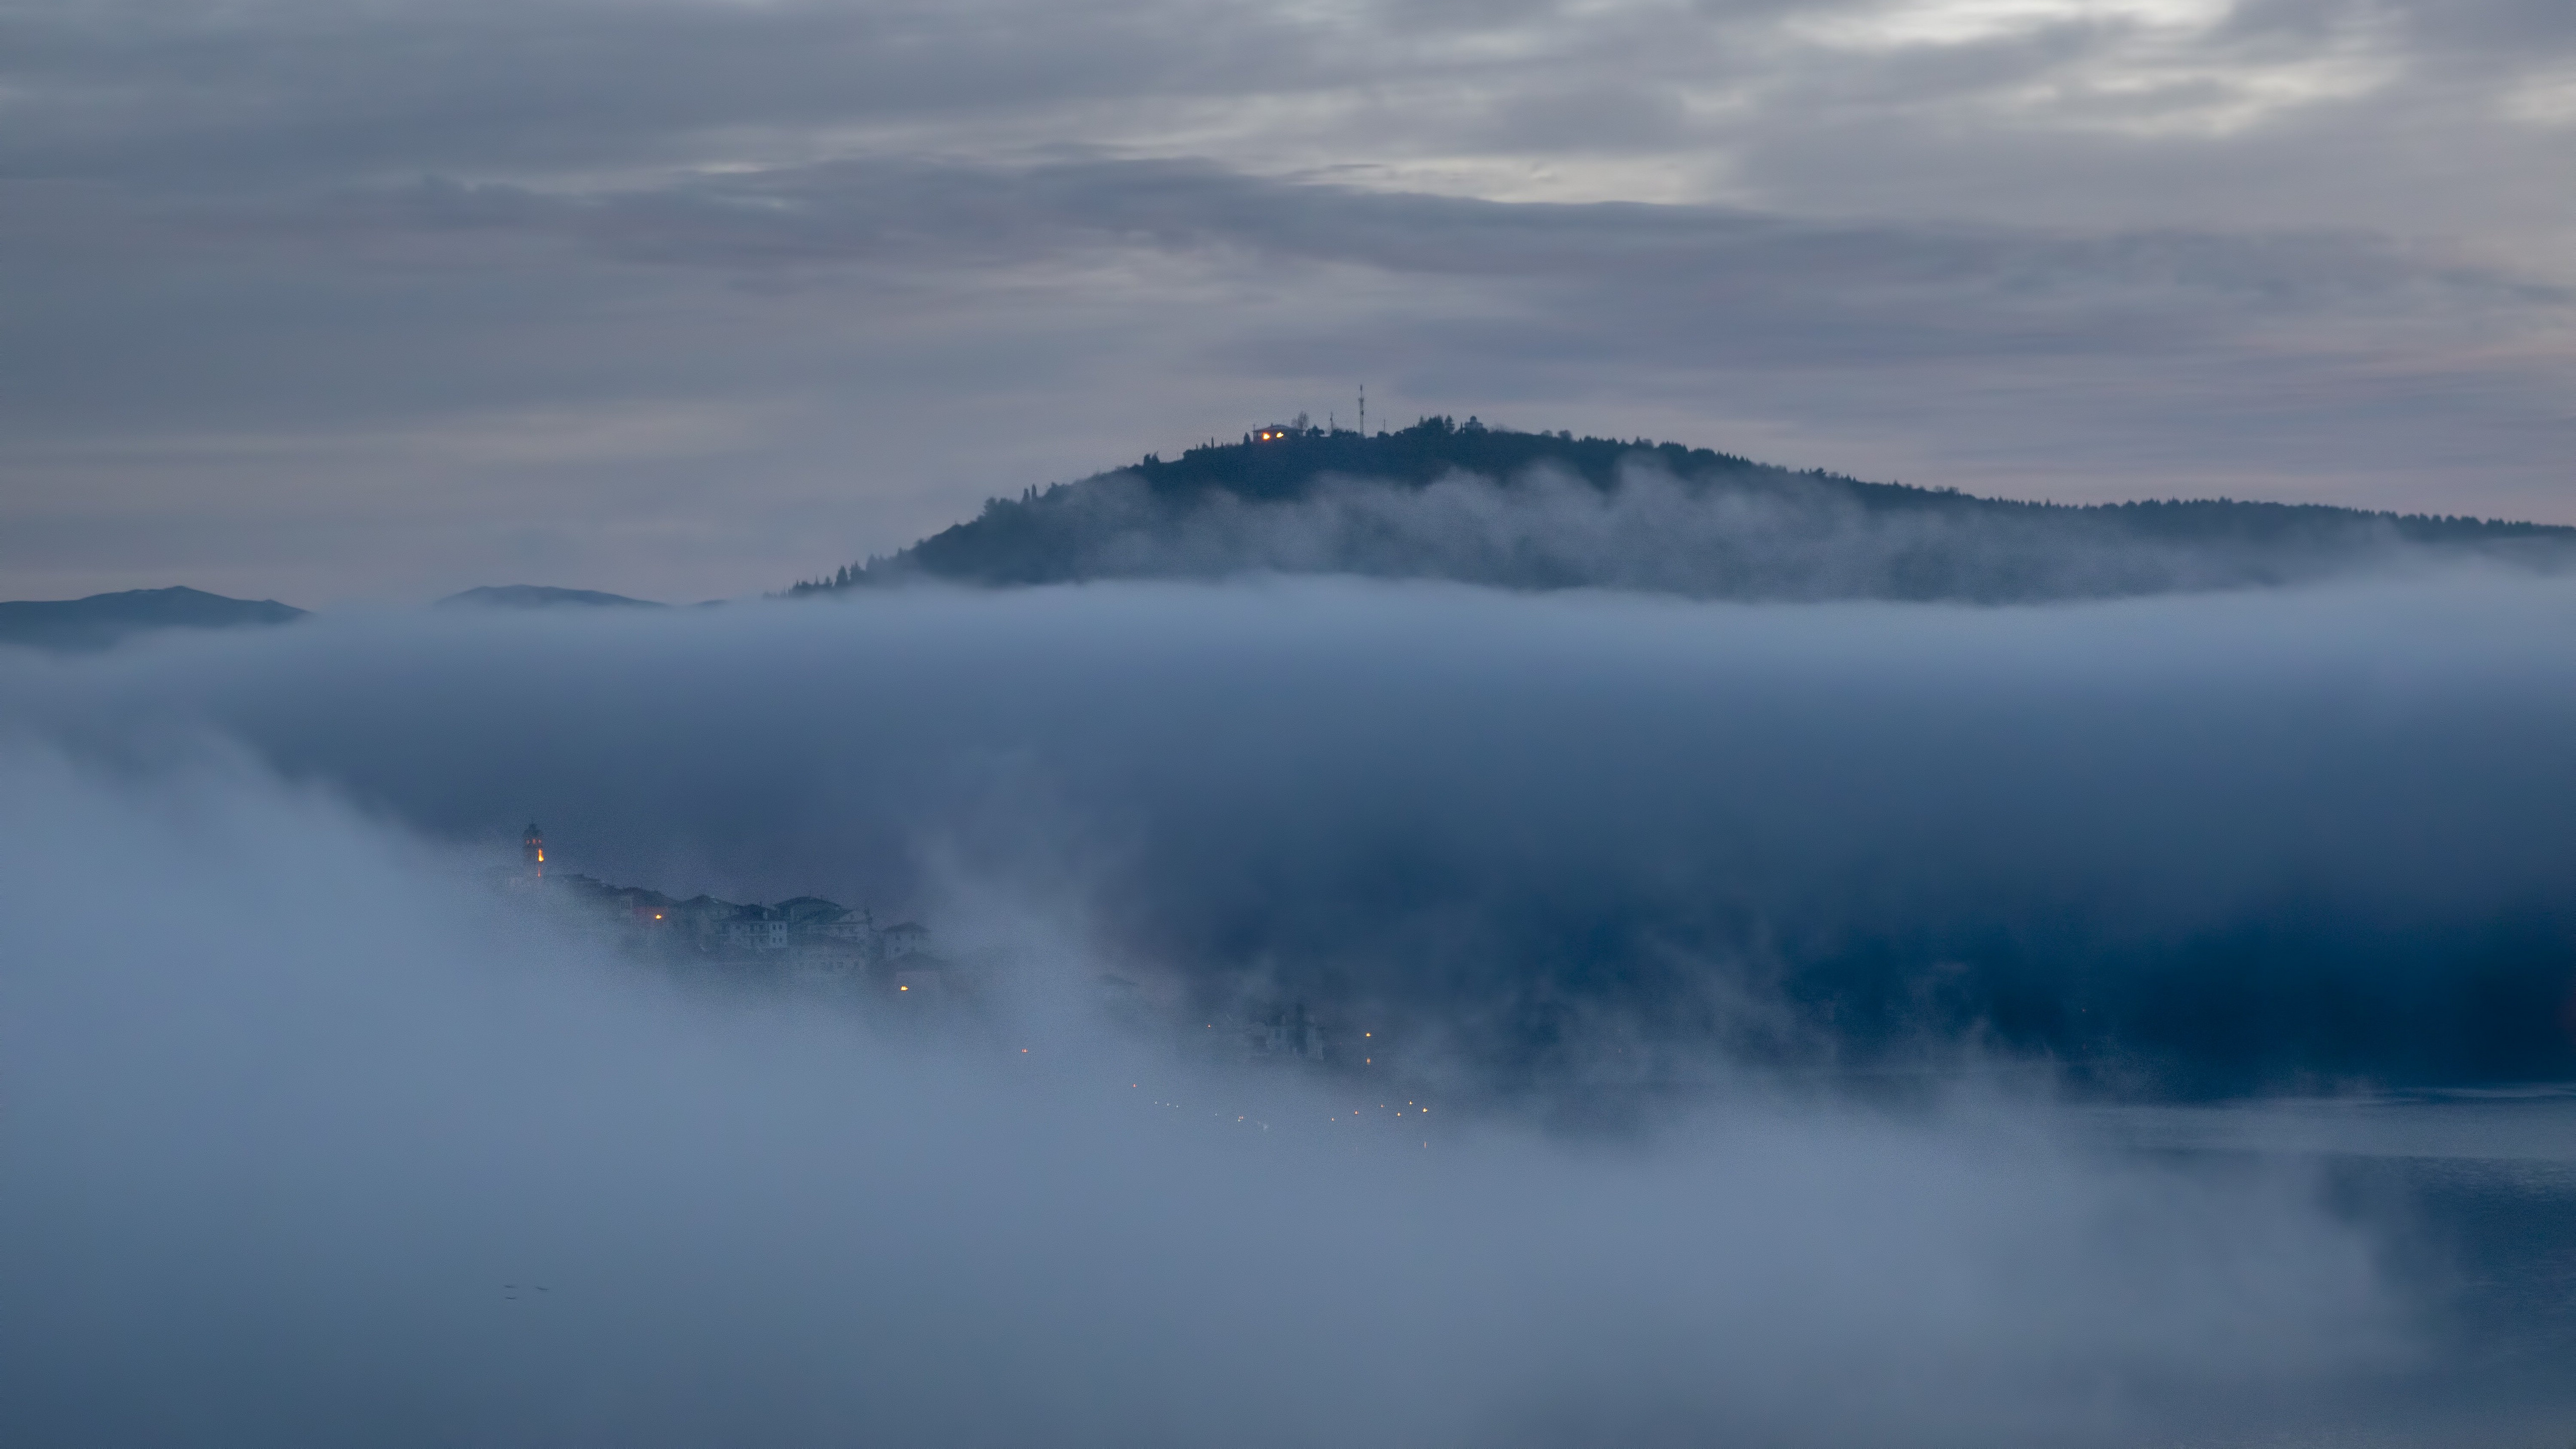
[1541, 510]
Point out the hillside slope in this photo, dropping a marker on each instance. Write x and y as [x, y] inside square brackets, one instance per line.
[1539, 510]
[101, 620]
[539, 596]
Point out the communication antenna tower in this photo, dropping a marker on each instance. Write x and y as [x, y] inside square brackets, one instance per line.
[1363, 410]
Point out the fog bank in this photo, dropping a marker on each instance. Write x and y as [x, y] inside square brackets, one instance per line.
[309, 1134]
[324, 1143]
[2215, 843]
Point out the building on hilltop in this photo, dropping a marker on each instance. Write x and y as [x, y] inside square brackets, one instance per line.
[1303, 427]
[699, 920]
[532, 861]
[815, 934]
[756, 928]
[827, 936]
[814, 918]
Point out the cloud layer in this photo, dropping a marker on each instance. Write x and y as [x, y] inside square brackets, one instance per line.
[327, 1146]
[2208, 842]
[1743, 955]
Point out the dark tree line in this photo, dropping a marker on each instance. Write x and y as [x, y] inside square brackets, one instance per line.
[1117, 523]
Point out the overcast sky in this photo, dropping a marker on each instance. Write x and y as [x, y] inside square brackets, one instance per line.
[332, 303]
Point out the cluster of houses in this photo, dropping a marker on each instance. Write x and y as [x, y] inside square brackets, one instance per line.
[807, 933]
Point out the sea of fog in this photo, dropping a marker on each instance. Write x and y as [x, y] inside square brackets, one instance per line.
[2117, 1024]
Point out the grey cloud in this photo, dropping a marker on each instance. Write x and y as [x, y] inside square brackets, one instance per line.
[2190, 332]
[157, 93]
[288, 90]
[1114, 225]
[1601, 115]
[1714, 266]
[2112, 363]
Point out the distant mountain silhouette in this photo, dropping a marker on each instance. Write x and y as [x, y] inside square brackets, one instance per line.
[537, 596]
[1539, 510]
[102, 619]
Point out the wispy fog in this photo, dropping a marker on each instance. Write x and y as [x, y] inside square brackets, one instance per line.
[309, 1135]
[1753, 535]
[306, 1144]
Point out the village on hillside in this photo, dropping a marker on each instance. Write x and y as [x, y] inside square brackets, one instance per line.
[805, 934]
[808, 935]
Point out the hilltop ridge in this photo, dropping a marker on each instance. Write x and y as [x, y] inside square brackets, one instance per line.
[1550, 510]
[102, 620]
[539, 596]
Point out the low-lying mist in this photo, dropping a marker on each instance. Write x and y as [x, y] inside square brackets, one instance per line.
[310, 1138]
[2198, 844]
[308, 1134]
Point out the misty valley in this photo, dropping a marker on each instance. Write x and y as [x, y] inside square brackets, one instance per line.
[1390, 724]
[1270, 1009]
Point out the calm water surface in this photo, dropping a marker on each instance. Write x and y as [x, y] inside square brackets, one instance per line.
[2474, 1191]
